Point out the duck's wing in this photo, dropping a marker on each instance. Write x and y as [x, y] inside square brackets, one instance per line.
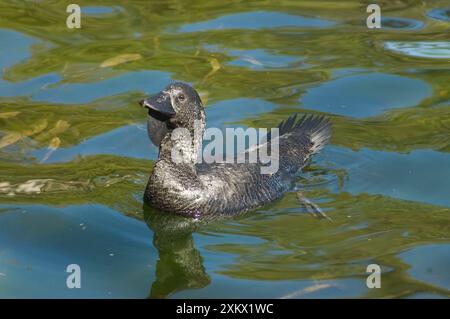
[236, 187]
[233, 188]
[299, 137]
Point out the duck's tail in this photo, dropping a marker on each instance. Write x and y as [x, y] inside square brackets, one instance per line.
[301, 136]
[316, 127]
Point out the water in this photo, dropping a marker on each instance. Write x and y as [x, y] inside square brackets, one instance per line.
[75, 157]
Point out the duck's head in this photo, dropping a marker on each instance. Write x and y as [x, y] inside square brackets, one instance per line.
[177, 106]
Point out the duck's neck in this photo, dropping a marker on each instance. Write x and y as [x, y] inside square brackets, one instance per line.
[183, 145]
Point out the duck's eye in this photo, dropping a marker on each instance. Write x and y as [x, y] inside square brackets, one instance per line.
[181, 97]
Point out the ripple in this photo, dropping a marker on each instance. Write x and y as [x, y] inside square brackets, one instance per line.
[49, 87]
[28, 87]
[38, 186]
[422, 49]
[12, 54]
[130, 141]
[429, 263]
[260, 59]
[74, 93]
[401, 23]
[442, 14]
[394, 175]
[365, 95]
[256, 20]
[97, 10]
[84, 234]
[221, 114]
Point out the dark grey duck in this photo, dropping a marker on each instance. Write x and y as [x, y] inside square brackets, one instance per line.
[200, 190]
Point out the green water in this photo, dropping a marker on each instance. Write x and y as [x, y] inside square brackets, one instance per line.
[75, 156]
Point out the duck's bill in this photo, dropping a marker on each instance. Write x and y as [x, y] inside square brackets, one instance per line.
[160, 103]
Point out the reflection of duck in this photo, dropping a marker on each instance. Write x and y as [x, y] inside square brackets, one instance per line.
[180, 265]
[201, 190]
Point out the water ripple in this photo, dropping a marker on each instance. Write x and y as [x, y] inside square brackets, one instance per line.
[442, 14]
[99, 10]
[401, 24]
[256, 20]
[422, 49]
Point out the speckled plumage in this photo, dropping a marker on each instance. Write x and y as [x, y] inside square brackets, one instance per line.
[202, 190]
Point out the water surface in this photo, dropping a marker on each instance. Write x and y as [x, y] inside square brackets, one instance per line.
[75, 158]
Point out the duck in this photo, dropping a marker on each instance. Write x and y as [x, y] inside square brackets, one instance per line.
[198, 189]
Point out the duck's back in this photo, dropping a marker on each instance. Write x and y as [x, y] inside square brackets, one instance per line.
[233, 188]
